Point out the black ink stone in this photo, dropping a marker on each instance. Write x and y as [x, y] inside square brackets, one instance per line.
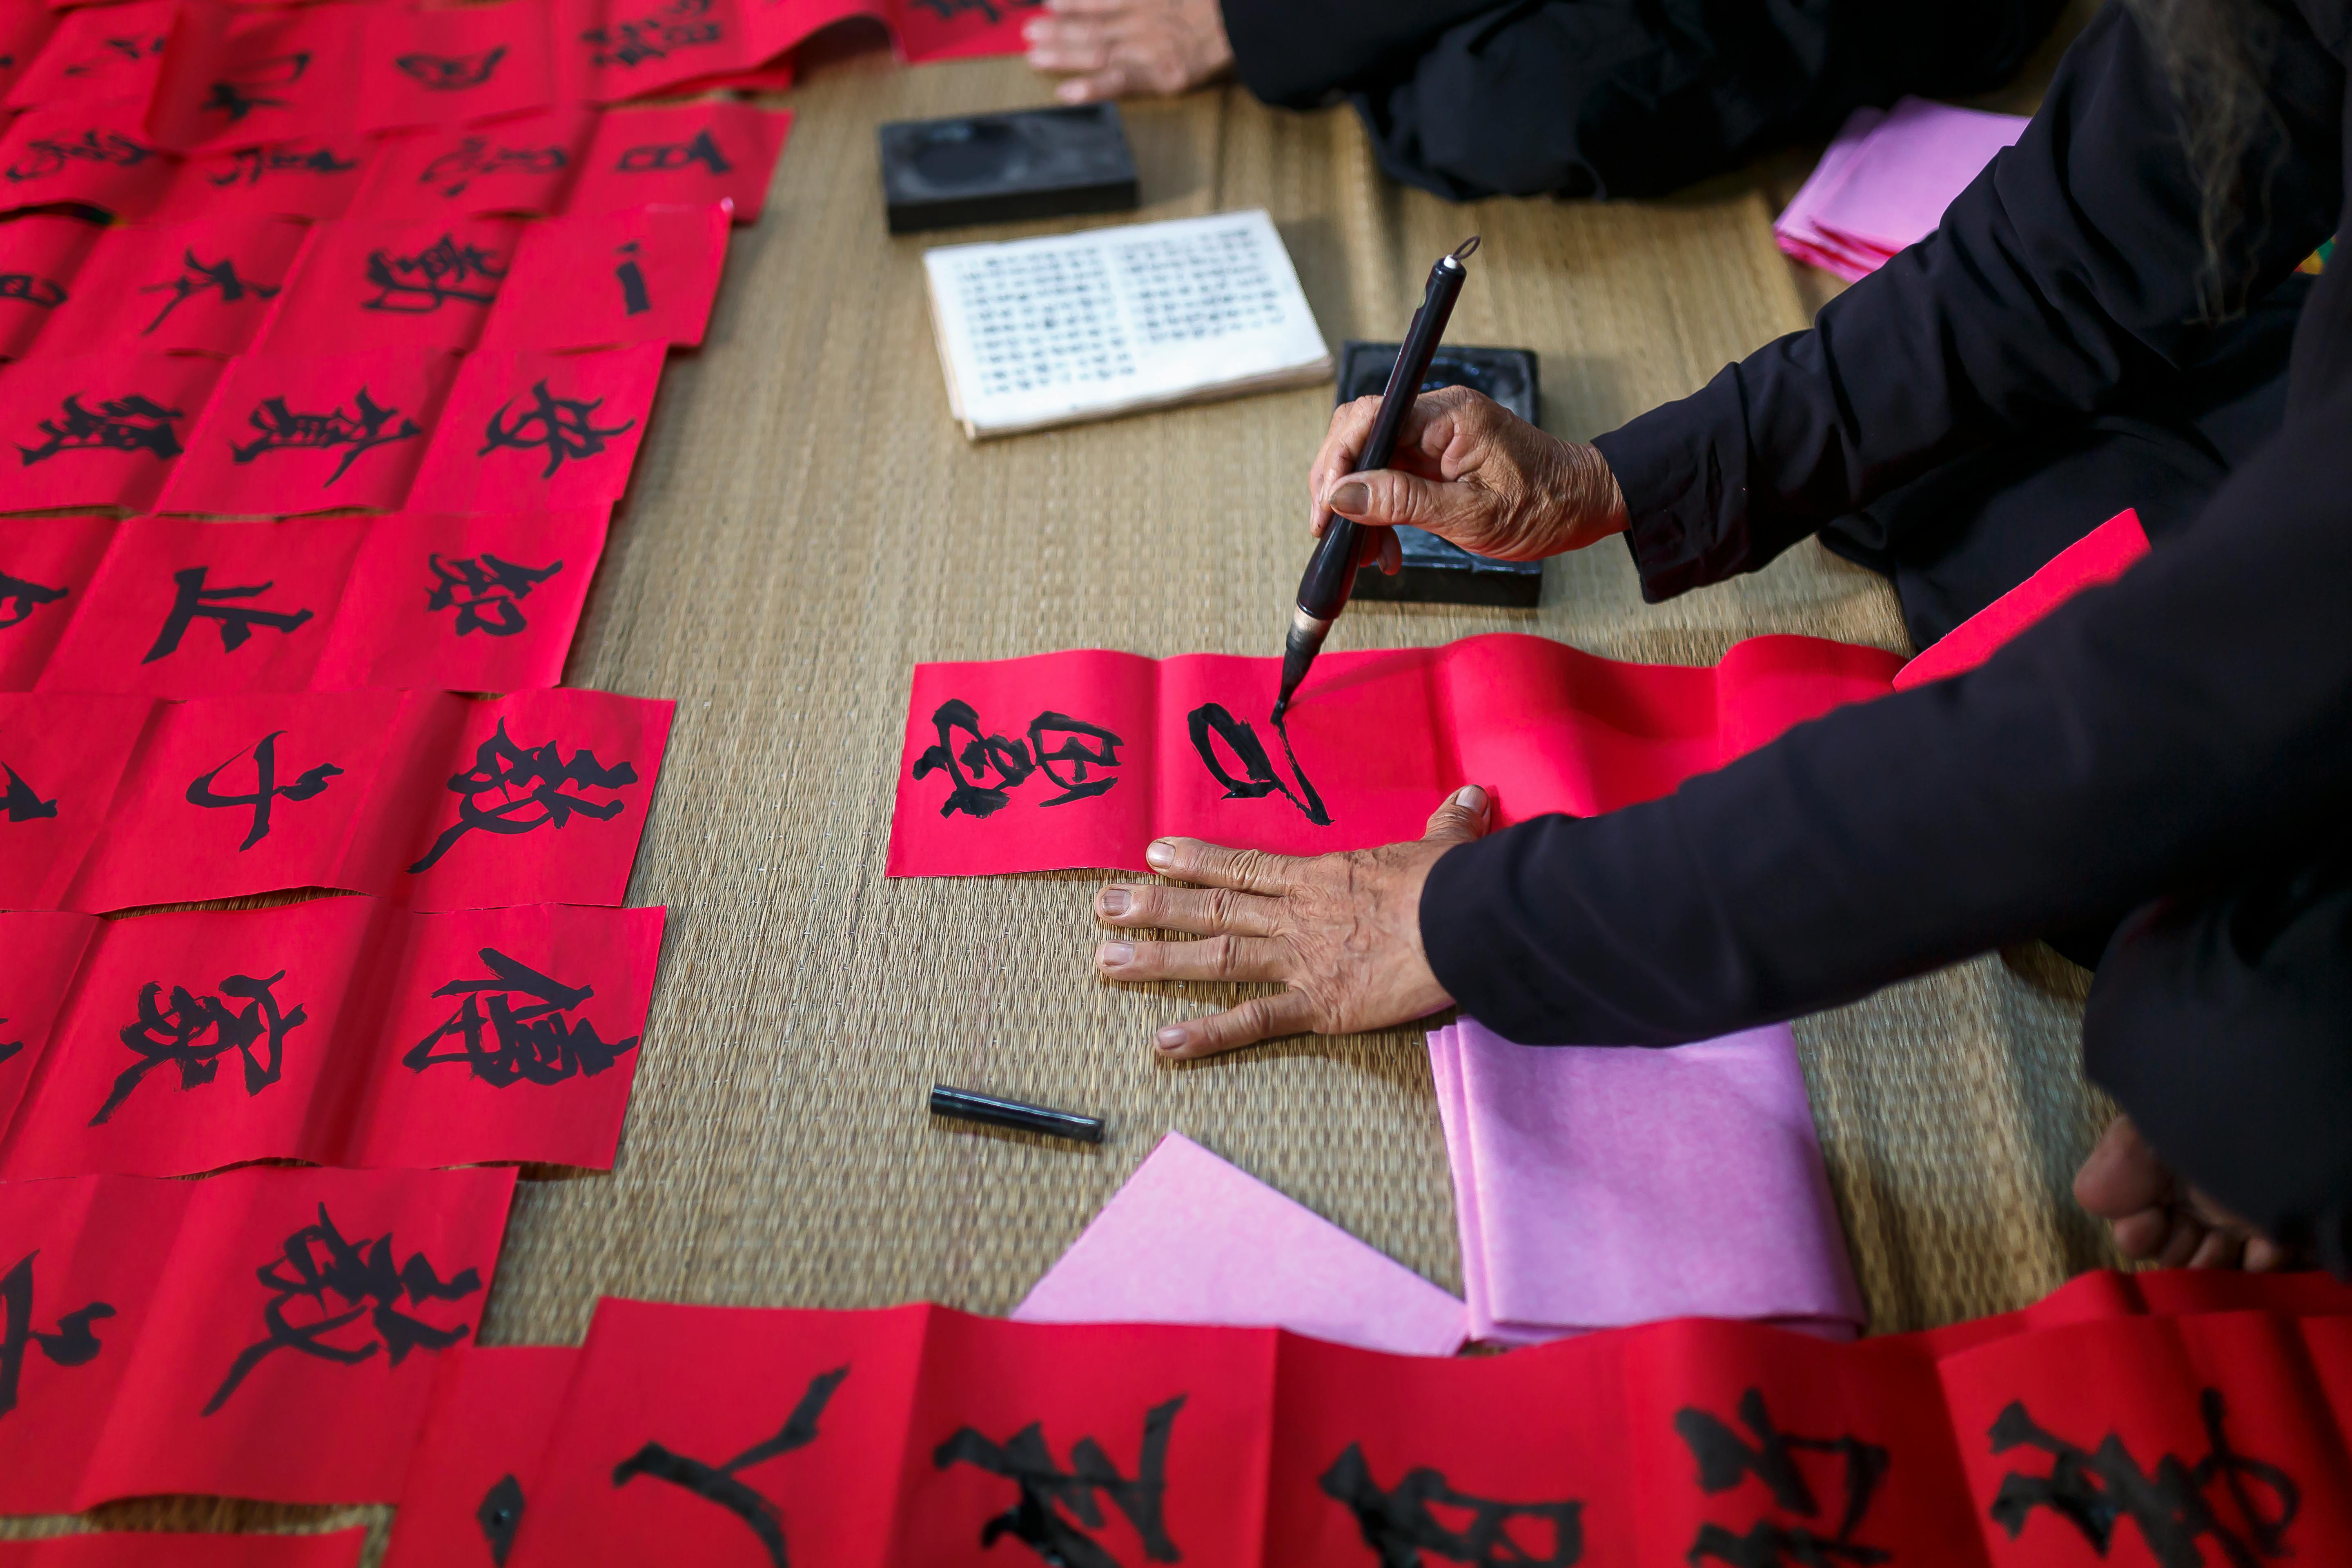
[1437, 572]
[1005, 168]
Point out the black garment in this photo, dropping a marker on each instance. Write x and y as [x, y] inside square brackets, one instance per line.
[1613, 98]
[2149, 738]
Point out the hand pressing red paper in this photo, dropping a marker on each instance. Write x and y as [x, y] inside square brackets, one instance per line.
[371, 284]
[521, 165]
[286, 436]
[204, 286]
[1119, 48]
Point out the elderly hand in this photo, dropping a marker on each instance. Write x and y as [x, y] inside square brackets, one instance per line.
[1123, 46]
[1466, 469]
[1342, 932]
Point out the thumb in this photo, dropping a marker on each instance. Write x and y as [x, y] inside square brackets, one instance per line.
[1461, 818]
[1385, 498]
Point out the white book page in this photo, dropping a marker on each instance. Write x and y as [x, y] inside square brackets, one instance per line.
[1045, 331]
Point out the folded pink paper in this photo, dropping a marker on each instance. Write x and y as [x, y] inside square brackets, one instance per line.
[1600, 1186]
[1886, 182]
[1191, 1239]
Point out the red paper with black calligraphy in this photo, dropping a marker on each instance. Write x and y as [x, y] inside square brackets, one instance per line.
[687, 155]
[41, 257]
[232, 795]
[607, 50]
[519, 165]
[479, 1458]
[40, 951]
[957, 29]
[526, 431]
[102, 430]
[234, 80]
[290, 1354]
[62, 761]
[2150, 1292]
[368, 284]
[102, 55]
[727, 1435]
[97, 156]
[204, 286]
[484, 601]
[308, 177]
[202, 609]
[645, 276]
[1081, 759]
[287, 434]
[159, 1549]
[46, 567]
[24, 29]
[460, 64]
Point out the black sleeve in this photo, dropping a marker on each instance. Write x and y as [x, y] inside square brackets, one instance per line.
[1294, 54]
[2066, 275]
[2194, 713]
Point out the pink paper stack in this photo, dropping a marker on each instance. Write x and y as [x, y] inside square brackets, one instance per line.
[1886, 180]
[1600, 1186]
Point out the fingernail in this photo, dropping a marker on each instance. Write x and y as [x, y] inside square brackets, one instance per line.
[1114, 955]
[1351, 499]
[1171, 1038]
[1471, 798]
[1160, 856]
[1112, 900]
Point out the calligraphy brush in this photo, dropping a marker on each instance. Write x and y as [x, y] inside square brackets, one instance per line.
[1331, 570]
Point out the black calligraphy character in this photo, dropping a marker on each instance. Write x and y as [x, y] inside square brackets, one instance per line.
[277, 428]
[195, 1032]
[514, 789]
[486, 592]
[971, 765]
[948, 10]
[681, 24]
[2095, 1490]
[7, 1050]
[1402, 1523]
[474, 156]
[193, 601]
[721, 1483]
[1725, 1459]
[32, 289]
[317, 1264]
[19, 598]
[499, 1515]
[119, 51]
[46, 155]
[23, 803]
[200, 278]
[522, 1011]
[565, 427]
[265, 788]
[71, 1343]
[1048, 1492]
[450, 73]
[240, 95]
[1211, 723]
[133, 424]
[1076, 745]
[250, 165]
[662, 157]
[635, 301]
[421, 284]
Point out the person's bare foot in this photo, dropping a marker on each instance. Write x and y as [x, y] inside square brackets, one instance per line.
[2158, 1217]
[1123, 46]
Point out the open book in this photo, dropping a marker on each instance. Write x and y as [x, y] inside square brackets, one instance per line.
[1035, 332]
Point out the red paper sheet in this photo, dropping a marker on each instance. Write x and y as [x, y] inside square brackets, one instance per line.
[288, 434]
[478, 1460]
[158, 1549]
[204, 286]
[41, 257]
[46, 566]
[309, 177]
[527, 431]
[106, 54]
[607, 50]
[686, 155]
[1081, 759]
[101, 430]
[245, 80]
[2100, 556]
[40, 951]
[24, 30]
[98, 157]
[957, 29]
[341, 1031]
[645, 276]
[423, 797]
[62, 760]
[303, 1310]
[520, 166]
[461, 64]
[371, 284]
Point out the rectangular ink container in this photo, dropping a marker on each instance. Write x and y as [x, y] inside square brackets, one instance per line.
[1005, 168]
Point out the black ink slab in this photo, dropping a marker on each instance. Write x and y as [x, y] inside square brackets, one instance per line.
[1437, 573]
[1003, 168]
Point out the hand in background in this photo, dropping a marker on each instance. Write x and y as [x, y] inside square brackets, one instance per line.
[1123, 47]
